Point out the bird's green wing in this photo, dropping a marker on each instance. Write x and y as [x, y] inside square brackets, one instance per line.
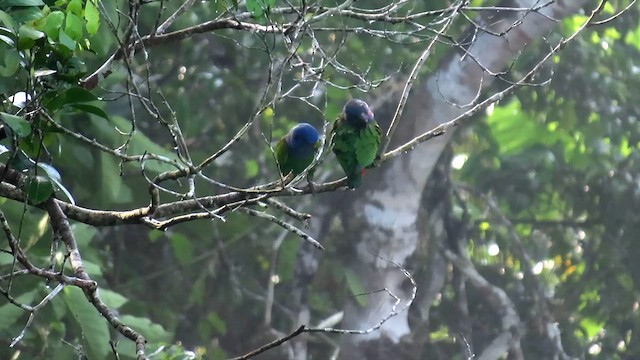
[343, 141]
[367, 144]
[282, 156]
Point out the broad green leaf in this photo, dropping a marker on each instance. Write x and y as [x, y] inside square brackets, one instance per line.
[113, 300]
[11, 60]
[77, 94]
[84, 233]
[10, 313]
[53, 23]
[28, 36]
[182, 248]
[8, 3]
[111, 184]
[95, 329]
[26, 14]
[18, 124]
[75, 7]
[66, 40]
[29, 32]
[91, 109]
[7, 20]
[39, 189]
[74, 95]
[356, 287]
[73, 27]
[92, 16]
[153, 332]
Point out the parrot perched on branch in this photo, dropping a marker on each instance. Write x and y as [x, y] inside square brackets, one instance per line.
[296, 150]
[355, 139]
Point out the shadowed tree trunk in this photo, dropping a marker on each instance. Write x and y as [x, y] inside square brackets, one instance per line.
[388, 216]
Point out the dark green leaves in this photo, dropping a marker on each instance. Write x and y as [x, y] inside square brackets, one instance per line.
[7, 3]
[76, 98]
[39, 189]
[18, 124]
[260, 8]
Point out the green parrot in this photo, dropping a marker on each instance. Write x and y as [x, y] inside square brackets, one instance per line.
[355, 139]
[296, 150]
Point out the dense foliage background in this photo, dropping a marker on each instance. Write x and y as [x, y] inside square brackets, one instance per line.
[541, 188]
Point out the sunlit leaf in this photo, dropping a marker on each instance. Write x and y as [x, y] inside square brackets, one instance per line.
[75, 7]
[73, 27]
[92, 16]
[53, 24]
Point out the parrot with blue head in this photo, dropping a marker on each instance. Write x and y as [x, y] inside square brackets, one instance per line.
[355, 139]
[295, 151]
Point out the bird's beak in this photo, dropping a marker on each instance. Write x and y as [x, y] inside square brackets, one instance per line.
[368, 116]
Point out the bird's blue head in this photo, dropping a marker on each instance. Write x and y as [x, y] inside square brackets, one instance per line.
[357, 113]
[302, 136]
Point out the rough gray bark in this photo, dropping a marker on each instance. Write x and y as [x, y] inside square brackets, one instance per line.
[384, 215]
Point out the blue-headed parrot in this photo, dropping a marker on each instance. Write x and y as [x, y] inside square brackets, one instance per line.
[296, 150]
[355, 139]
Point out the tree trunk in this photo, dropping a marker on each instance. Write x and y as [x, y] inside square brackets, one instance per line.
[387, 216]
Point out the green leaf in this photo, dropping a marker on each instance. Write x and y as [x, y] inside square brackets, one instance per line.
[73, 27]
[56, 180]
[18, 124]
[112, 187]
[92, 16]
[182, 248]
[26, 14]
[153, 332]
[39, 189]
[29, 32]
[8, 3]
[217, 323]
[66, 40]
[356, 287]
[7, 20]
[72, 95]
[51, 172]
[53, 23]
[75, 7]
[95, 329]
[27, 37]
[112, 299]
[11, 61]
[10, 313]
[91, 109]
